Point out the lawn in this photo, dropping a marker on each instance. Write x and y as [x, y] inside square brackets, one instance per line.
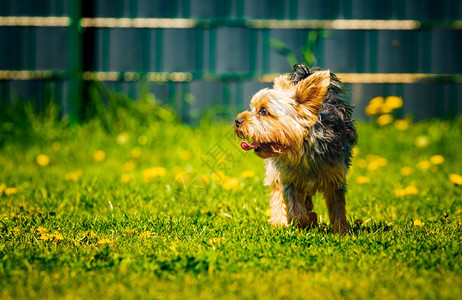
[134, 204]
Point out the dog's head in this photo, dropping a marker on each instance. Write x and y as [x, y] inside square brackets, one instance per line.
[279, 118]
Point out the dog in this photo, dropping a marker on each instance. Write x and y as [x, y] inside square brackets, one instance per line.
[303, 130]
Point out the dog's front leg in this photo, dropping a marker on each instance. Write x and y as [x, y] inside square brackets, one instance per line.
[296, 208]
[335, 202]
[278, 206]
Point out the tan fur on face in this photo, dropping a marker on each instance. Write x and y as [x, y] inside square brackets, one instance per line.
[291, 110]
[279, 128]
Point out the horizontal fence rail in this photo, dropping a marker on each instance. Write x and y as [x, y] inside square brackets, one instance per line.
[193, 60]
[205, 23]
[187, 76]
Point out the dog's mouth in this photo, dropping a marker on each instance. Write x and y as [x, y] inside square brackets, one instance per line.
[274, 148]
[262, 149]
[246, 146]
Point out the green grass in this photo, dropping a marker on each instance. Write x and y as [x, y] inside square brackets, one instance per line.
[73, 229]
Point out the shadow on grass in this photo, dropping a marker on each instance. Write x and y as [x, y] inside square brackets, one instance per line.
[369, 226]
[355, 228]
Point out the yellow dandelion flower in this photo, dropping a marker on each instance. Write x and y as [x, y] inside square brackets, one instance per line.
[385, 119]
[377, 101]
[411, 190]
[152, 173]
[372, 166]
[218, 176]
[362, 180]
[183, 177]
[125, 178]
[122, 138]
[405, 171]
[43, 160]
[231, 183]
[185, 155]
[456, 179]
[57, 237]
[104, 242]
[418, 223]
[73, 176]
[437, 159]
[355, 151]
[401, 124]
[394, 102]
[378, 159]
[10, 191]
[44, 237]
[424, 165]
[421, 141]
[247, 174]
[375, 106]
[130, 165]
[130, 231]
[371, 110]
[99, 155]
[400, 192]
[16, 230]
[41, 230]
[376, 162]
[2, 187]
[204, 179]
[145, 234]
[268, 212]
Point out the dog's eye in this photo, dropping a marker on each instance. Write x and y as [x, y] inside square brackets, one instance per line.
[263, 111]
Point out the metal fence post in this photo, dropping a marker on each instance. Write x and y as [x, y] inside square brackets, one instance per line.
[74, 62]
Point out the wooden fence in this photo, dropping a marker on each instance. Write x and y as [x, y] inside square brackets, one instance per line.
[195, 54]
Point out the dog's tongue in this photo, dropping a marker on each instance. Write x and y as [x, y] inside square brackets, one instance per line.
[247, 147]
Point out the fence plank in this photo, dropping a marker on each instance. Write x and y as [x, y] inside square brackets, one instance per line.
[74, 61]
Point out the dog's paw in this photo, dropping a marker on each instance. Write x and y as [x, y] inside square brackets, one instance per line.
[309, 220]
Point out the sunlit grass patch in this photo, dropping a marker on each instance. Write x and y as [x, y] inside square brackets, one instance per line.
[164, 210]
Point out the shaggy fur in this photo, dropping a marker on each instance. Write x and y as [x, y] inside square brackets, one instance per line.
[303, 130]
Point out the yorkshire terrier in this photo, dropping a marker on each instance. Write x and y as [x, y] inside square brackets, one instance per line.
[303, 130]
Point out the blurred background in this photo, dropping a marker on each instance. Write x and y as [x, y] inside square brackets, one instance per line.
[199, 56]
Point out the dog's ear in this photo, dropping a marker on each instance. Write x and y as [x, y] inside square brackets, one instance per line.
[312, 90]
[283, 82]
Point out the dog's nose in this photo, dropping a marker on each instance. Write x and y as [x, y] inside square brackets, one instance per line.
[238, 122]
